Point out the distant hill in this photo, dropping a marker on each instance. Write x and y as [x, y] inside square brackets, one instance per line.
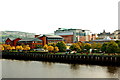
[15, 34]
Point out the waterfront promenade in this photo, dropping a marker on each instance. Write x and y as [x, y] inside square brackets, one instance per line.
[65, 58]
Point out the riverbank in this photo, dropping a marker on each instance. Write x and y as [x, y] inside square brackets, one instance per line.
[65, 58]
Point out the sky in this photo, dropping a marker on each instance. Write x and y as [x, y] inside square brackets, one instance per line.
[46, 16]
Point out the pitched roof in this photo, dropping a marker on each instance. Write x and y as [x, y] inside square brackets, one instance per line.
[51, 36]
[31, 39]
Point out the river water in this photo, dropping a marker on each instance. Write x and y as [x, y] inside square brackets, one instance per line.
[39, 69]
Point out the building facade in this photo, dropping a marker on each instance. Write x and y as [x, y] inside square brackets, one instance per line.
[33, 43]
[75, 35]
[114, 35]
[49, 38]
[12, 42]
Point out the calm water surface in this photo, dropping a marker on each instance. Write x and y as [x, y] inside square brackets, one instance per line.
[38, 69]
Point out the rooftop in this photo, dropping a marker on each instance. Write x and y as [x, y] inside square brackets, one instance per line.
[50, 36]
[106, 39]
[31, 39]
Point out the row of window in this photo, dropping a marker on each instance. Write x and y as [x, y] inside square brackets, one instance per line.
[30, 42]
[81, 34]
[54, 39]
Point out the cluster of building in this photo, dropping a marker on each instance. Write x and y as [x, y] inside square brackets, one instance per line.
[114, 35]
[69, 36]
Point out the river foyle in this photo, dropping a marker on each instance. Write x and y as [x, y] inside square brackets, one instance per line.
[65, 58]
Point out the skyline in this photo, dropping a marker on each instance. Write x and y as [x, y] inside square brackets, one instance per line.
[47, 16]
[66, 28]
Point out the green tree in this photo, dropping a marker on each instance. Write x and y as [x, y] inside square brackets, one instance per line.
[98, 46]
[81, 45]
[112, 47]
[61, 46]
[52, 44]
[56, 49]
[104, 47]
[39, 46]
[75, 47]
[118, 42]
[87, 46]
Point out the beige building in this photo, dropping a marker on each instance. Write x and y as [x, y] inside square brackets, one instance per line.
[75, 35]
[106, 34]
[116, 34]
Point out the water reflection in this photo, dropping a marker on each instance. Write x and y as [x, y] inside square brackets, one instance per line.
[112, 69]
[39, 69]
[74, 66]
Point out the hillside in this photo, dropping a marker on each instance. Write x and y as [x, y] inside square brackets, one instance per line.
[15, 34]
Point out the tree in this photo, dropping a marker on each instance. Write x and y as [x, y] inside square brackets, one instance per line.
[118, 42]
[26, 47]
[104, 47]
[56, 49]
[93, 46]
[87, 46]
[45, 47]
[112, 47]
[75, 47]
[96, 46]
[1, 48]
[7, 47]
[13, 47]
[62, 46]
[50, 48]
[19, 48]
[81, 45]
[52, 44]
[39, 46]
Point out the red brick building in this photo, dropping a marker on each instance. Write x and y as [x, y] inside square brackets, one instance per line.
[49, 38]
[33, 42]
[12, 42]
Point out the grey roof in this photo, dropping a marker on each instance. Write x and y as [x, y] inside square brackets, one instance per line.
[11, 39]
[36, 39]
[51, 36]
[106, 39]
[33, 39]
